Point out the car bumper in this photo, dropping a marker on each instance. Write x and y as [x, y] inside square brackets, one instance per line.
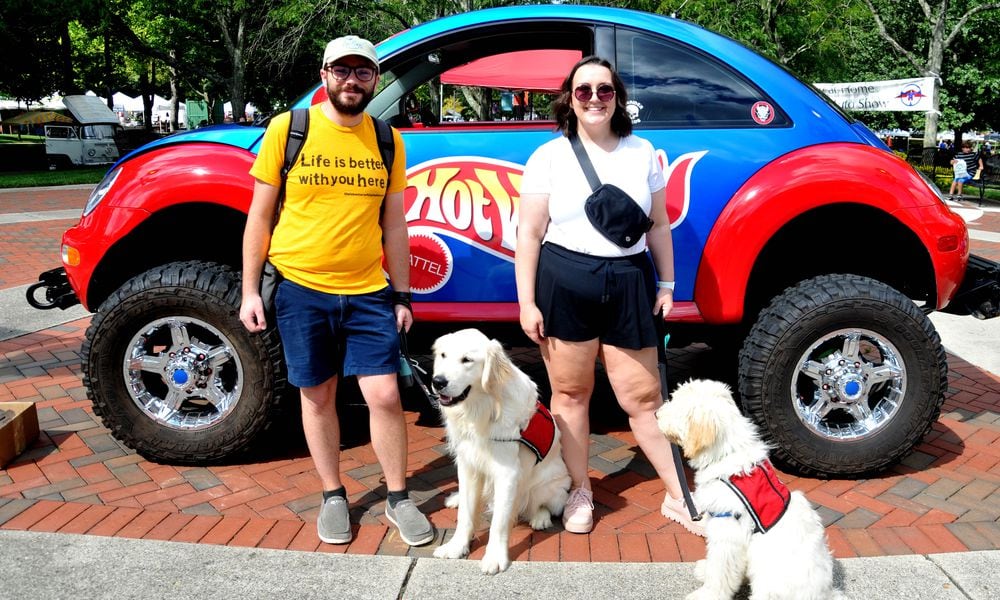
[979, 294]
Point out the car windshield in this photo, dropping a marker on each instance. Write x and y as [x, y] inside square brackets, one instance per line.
[98, 132]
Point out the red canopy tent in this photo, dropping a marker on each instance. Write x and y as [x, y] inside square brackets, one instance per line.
[532, 70]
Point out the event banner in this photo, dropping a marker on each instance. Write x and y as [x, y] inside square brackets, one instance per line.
[897, 94]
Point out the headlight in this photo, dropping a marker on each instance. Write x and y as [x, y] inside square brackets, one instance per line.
[101, 190]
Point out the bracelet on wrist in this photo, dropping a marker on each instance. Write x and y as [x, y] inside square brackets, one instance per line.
[665, 285]
[403, 298]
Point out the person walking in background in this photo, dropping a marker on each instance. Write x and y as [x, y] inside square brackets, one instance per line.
[965, 164]
[336, 313]
[583, 296]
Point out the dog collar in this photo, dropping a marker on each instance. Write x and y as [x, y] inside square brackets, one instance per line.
[724, 515]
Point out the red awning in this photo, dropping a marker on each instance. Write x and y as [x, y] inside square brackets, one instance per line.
[534, 70]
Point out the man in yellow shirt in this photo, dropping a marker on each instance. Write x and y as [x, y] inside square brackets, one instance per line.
[336, 313]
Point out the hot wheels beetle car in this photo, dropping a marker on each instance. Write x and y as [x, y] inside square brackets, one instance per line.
[794, 226]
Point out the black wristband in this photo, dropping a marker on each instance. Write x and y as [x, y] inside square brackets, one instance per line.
[403, 298]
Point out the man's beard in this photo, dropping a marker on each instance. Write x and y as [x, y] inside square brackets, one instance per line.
[350, 109]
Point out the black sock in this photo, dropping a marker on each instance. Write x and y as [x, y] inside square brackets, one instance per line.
[395, 497]
[337, 492]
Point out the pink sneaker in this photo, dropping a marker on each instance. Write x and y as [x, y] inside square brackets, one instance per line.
[676, 510]
[578, 516]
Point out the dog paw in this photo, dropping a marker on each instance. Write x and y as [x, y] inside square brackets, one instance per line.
[452, 500]
[542, 519]
[494, 561]
[451, 550]
[701, 594]
[699, 570]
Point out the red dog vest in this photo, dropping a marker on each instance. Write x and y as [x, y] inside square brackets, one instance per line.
[540, 433]
[762, 493]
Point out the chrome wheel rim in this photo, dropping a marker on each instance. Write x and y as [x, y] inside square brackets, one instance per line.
[183, 373]
[849, 385]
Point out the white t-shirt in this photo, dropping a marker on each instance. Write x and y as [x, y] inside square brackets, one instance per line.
[554, 170]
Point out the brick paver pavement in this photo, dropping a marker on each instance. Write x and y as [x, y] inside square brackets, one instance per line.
[944, 497]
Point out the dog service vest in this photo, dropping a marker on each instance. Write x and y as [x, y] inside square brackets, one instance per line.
[540, 433]
[763, 495]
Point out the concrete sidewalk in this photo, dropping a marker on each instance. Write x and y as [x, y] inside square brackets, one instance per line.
[41, 566]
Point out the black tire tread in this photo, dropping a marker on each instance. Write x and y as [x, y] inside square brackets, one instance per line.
[198, 281]
[811, 298]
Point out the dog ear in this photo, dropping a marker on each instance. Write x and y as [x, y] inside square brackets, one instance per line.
[702, 432]
[497, 369]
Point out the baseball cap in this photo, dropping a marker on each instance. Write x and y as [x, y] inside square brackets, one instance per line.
[349, 45]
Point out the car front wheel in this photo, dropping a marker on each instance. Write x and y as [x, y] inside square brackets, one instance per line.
[843, 374]
[174, 374]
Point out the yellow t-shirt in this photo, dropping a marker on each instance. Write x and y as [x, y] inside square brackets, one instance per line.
[328, 237]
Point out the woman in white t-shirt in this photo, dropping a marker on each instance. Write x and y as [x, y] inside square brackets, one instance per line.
[582, 295]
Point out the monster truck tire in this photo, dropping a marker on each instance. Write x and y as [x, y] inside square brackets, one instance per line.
[843, 374]
[174, 374]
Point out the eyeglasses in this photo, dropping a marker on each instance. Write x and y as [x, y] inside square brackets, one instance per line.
[342, 72]
[584, 92]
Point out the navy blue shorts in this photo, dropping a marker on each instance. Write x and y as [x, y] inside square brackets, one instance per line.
[331, 334]
[583, 297]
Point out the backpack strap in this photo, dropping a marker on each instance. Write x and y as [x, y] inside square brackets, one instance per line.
[387, 150]
[386, 144]
[298, 128]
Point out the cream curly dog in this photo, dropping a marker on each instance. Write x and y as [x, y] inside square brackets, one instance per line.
[755, 528]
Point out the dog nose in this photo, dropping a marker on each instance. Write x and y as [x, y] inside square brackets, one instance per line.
[439, 382]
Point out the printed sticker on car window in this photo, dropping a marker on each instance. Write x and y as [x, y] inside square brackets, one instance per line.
[762, 112]
[632, 107]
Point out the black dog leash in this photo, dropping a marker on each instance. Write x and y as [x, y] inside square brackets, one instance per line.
[661, 366]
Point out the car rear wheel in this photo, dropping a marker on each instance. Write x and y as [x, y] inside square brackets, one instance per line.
[174, 374]
[843, 374]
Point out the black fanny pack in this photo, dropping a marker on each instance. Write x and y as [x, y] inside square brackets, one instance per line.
[610, 210]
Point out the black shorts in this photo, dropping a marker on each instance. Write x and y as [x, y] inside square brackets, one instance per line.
[584, 297]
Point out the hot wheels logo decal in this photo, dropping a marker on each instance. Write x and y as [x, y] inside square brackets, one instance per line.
[471, 198]
[475, 200]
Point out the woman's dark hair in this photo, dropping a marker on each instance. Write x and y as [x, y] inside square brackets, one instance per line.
[562, 106]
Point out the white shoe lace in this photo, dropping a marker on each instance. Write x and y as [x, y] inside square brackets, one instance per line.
[579, 498]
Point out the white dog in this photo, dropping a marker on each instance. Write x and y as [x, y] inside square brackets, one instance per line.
[755, 528]
[492, 416]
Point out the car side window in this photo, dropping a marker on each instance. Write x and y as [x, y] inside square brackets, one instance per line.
[501, 74]
[673, 85]
[494, 88]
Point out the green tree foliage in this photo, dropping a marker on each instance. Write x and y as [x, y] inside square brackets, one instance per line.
[32, 42]
[268, 51]
[937, 31]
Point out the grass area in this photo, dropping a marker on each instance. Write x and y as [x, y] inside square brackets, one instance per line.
[61, 177]
[6, 138]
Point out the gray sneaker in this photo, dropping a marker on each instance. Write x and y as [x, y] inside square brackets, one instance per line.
[413, 526]
[334, 523]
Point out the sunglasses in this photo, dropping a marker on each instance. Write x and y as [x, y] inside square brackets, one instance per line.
[584, 92]
[342, 72]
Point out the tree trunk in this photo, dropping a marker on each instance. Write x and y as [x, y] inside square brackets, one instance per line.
[236, 88]
[66, 56]
[108, 73]
[146, 93]
[935, 58]
[174, 94]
